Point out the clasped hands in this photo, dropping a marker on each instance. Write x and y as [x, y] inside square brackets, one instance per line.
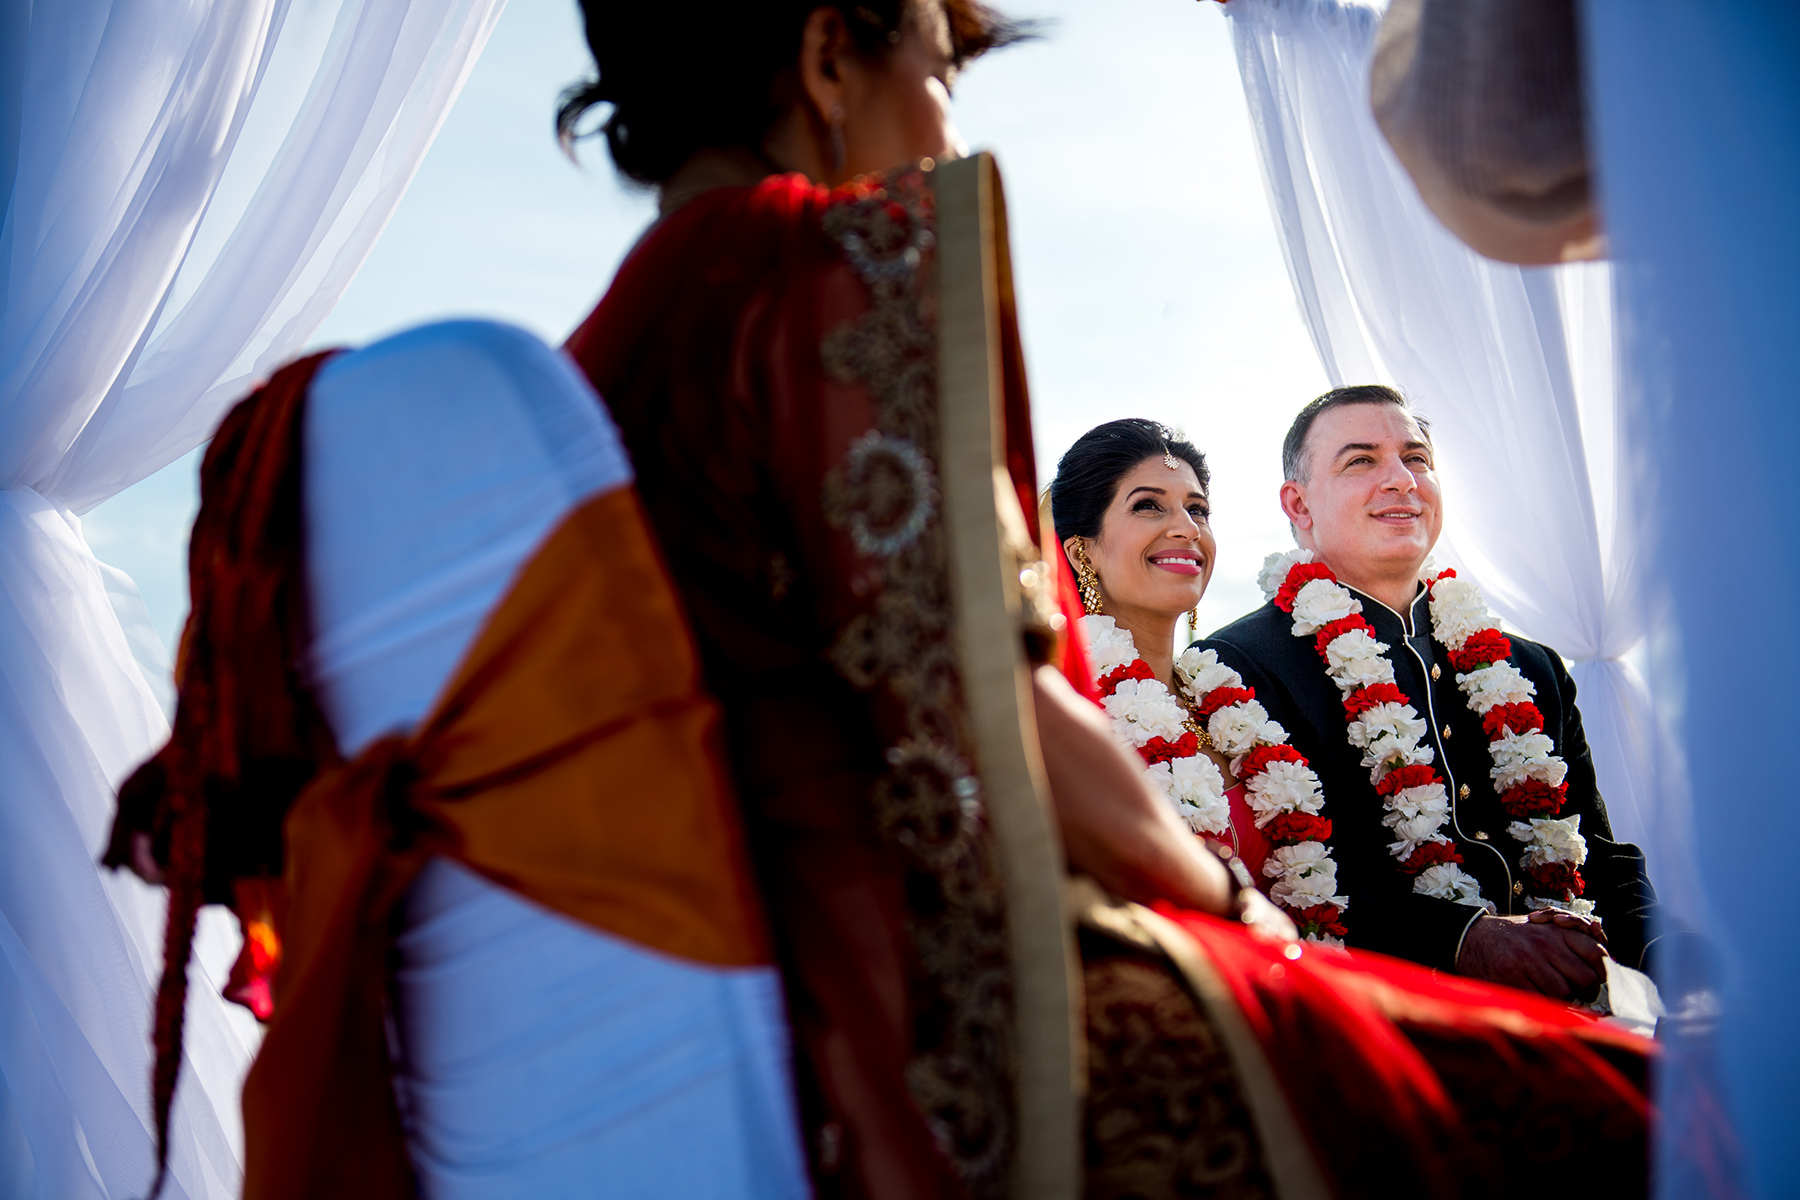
[1556, 953]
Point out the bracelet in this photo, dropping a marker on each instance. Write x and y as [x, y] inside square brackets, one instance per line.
[1240, 877]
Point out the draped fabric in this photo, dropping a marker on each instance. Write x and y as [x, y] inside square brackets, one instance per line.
[769, 356]
[1513, 366]
[188, 189]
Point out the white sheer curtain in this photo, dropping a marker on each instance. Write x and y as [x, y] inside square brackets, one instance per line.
[189, 188]
[1513, 365]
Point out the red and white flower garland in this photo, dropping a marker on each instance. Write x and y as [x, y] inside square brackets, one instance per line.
[1280, 789]
[1383, 724]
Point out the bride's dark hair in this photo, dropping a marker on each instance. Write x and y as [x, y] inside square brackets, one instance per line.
[682, 77]
[1089, 472]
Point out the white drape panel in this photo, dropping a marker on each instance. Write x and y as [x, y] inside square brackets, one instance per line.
[1513, 366]
[189, 188]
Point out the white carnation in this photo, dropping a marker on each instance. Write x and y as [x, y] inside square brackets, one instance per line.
[1425, 800]
[1458, 609]
[1447, 881]
[1275, 570]
[1414, 832]
[1304, 875]
[1420, 754]
[1320, 603]
[1386, 728]
[1521, 756]
[1234, 728]
[1283, 787]
[1196, 798]
[1146, 706]
[1496, 683]
[1204, 672]
[1109, 646]
[1581, 908]
[1196, 780]
[1355, 659]
[1550, 840]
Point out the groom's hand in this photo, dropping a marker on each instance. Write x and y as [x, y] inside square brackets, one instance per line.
[1562, 959]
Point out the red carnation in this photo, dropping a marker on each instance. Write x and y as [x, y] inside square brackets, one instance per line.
[1222, 697]
[1336, 629]
[1298, 576]
[1258, 759]
[1290, 828]
[1446, 573]
[1555, 881]
[1364, 698]
[1484, 646]
[1318, 919]
[1136, 669]
[1522, 717]
[1161, 750]
[1430, 854]
[1533, 798]
[1401, 778]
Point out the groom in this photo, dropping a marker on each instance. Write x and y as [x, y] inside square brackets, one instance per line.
[1362, 495]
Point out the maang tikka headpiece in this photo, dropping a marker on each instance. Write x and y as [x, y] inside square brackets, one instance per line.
[1169, 460]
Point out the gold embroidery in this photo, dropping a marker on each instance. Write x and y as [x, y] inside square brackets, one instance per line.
[929, 804]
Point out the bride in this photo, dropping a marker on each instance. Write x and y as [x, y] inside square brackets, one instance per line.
[1130, 500]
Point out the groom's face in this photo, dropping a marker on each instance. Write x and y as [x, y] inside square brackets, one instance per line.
[1370, 504]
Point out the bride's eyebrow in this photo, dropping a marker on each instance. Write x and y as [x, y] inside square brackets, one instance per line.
[1144, 487]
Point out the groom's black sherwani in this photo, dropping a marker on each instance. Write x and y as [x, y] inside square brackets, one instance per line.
[1384, 913]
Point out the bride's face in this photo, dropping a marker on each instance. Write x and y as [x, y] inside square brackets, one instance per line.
[1155, 551]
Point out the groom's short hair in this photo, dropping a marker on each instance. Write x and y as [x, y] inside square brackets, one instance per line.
[1294, 466]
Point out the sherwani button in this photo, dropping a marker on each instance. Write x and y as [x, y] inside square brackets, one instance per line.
[1462, 793]
[1518, 889]
[1446, 731]
[1437, 672]
[1480, 836]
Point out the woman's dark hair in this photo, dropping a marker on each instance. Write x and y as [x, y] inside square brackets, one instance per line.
[1090, 470]
[682, 77]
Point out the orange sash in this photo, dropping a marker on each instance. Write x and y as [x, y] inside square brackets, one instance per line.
[574, 759]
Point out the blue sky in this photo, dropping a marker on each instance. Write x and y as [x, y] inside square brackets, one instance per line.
[1150, 281]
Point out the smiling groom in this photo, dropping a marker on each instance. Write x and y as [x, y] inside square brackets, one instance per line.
[1467, 829]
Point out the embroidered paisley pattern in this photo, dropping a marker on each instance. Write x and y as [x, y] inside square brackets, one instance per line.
[929, 803]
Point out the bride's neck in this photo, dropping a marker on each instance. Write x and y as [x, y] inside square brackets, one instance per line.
[1154, 636]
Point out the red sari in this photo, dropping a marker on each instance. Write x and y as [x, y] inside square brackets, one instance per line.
[769, 355]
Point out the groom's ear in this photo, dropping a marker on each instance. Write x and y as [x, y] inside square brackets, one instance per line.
[1293, 504]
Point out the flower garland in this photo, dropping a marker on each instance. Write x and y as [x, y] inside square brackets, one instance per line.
[1281, 790]
[1383, 724]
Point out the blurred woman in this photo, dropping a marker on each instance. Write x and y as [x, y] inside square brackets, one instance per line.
[772, 352]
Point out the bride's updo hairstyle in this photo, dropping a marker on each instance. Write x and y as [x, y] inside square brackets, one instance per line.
[683, 77]
[1090, 471]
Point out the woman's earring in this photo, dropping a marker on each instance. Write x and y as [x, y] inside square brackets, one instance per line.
[837, 140]
[1087, 581]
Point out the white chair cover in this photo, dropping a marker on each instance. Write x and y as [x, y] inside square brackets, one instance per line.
[539, 1057]
[1694, 113]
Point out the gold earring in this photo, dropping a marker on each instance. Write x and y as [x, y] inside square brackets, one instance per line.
[1087, 581]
